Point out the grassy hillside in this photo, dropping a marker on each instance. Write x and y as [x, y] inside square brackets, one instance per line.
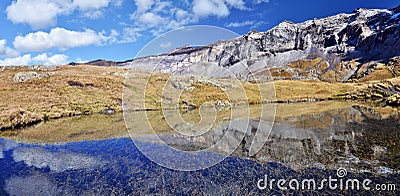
[33, 94]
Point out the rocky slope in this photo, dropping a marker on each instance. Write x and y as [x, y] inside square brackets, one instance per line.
[336, 46]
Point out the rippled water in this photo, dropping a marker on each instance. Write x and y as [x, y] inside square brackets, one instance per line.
[307, 141]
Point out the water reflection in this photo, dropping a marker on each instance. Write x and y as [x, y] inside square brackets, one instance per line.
[124, 170]
[324, 135]
[307, 140]
[54, 160]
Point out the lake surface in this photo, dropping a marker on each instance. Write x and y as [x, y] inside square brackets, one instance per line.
[308, 141]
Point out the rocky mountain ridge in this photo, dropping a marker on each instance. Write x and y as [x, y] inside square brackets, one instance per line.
[343, 43]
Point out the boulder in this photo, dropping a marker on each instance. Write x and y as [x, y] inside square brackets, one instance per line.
[108, 111]
[25, 76]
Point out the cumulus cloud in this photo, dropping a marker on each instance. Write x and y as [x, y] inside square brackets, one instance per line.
[43, 59]
[158, 16]
[57, 59]
[150, 19]
[93, 14]
[61, 39]
[94, 9]
[130, 34]
[37, 13]
[20, 60]
[41, 14]
[155, 17]
[239, 4]
[219, 8]
[7, 51]
[204, 8]
[143, 5]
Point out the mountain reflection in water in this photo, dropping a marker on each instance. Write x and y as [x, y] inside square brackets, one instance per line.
[302, 145]
[116, 166]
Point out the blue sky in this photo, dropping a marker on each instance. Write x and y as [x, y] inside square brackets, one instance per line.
[61, 31]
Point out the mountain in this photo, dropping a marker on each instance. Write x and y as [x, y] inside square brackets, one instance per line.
[101, 62]
[342, 48]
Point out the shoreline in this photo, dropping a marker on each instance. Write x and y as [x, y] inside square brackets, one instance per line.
[67, 91]
[379, 102]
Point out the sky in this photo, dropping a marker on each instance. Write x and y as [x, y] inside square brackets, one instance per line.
[52, 32]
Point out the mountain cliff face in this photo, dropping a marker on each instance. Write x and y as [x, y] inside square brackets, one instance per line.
[336, 48]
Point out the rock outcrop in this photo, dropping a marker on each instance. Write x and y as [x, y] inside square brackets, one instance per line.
[387, 91]
[364, 35]
[25, 76]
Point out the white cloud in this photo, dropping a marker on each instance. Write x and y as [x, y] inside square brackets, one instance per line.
[112, 38]
[20, 60]
[143, 5]
[41, 14]
[261, 1]
[6, 51]
[165, 45]
[156, 17]
[57, 59]
[219, 8]
[205, 8]
[90, 4]
[239, 4]
[241, 24]
[37, 13]
[130, 34]
[93, 14]
[94, 9]
[252, 23]
[61, 39]
[181, 14]
[43, 59]
[151, 19]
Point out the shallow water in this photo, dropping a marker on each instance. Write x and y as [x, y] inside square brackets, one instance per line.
[308, 141]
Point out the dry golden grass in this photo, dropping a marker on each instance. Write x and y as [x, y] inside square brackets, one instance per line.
[80, 128]
[329, 76]
[298, 90]
[380, 74]
[74, 90]
[203, 93]
[54, 97]
[306, 64]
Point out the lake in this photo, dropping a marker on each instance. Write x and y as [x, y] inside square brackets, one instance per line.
[96, 154]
